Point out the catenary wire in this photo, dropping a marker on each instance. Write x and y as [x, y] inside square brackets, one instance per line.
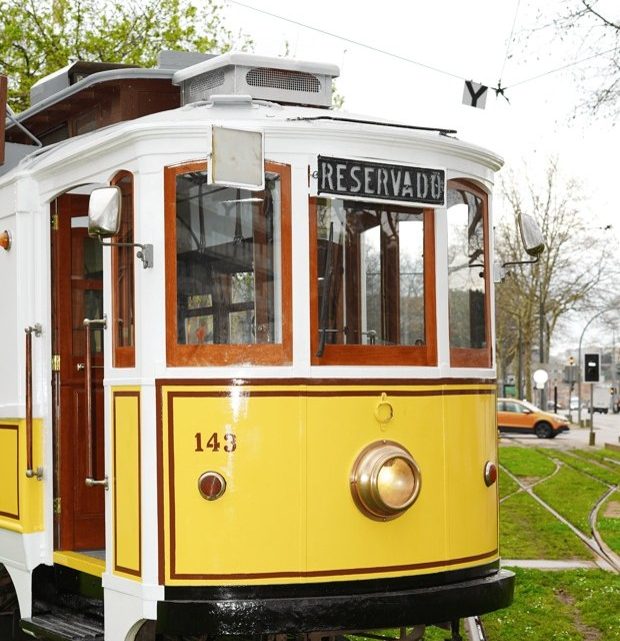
[509, 43]
[499, 89]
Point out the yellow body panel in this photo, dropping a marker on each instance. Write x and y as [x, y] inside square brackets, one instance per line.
[254, 528]
[9, 471]
[288, 515]
[471, 507]
[80, 562]
[340, 537]
[21, 498]
[127, 470]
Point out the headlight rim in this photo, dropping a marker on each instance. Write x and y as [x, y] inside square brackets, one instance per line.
[365, 474]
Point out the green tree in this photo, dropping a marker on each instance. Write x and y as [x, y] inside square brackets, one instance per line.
[42, 36]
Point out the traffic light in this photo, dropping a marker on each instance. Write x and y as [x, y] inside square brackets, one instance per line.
[591, 369]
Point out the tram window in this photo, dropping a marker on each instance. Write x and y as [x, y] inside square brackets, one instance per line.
[232, 270]
[468, 275]
[123, 262]
[373, 290]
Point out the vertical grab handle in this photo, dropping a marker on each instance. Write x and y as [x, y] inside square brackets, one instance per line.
[88, 395]
[31, 472]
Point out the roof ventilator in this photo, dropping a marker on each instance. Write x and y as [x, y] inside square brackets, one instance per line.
[283, 80]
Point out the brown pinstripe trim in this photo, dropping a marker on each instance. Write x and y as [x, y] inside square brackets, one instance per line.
[10, 515]
[342, 572]
[328, 393]
[119, 568]
[315, 382]
[160, 485]
[172, 510]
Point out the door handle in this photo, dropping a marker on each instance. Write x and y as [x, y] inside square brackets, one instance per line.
[31, 472]
[88, 395]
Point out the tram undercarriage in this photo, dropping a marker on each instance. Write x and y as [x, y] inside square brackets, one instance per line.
[68, 606]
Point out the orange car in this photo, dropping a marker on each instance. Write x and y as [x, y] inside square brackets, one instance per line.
[521, 416]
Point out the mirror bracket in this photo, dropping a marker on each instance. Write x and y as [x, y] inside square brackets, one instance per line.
[501, 273]
[145, 254]
[521, 262]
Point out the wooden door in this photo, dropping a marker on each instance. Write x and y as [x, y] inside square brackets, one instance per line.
[77, 293]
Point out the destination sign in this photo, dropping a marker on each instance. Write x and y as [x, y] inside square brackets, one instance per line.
[380, 181]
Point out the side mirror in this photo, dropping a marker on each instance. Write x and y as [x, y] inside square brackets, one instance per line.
[531, 236]
[104, 212]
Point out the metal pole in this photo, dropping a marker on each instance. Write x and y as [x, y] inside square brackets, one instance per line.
[520, 368]
[541, 350]
[592, 434]
[579, 365]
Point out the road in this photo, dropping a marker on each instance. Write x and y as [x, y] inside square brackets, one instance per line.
[606, 430]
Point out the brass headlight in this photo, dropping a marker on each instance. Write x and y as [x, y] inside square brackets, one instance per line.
[385, 480]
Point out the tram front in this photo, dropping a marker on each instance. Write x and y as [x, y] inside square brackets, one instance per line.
[326, 431]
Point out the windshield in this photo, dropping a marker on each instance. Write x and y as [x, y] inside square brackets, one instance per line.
[370, 274]
[531, 406]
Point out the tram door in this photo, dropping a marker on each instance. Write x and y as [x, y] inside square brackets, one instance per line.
[77, 294]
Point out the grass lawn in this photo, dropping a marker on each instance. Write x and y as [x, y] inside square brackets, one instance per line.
[526, 463]
[605, 455]
[570, 605]
[605, 472]
[573, 495]
[528, 531]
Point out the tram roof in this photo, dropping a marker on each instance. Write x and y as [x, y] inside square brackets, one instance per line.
[276, 117]
[273, 119]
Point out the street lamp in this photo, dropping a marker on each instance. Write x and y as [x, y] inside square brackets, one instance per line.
[540, 378]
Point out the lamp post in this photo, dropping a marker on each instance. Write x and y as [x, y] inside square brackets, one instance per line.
[604, 311]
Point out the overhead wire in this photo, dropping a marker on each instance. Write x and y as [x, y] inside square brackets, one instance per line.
[349, 40]
[566, 66]
[499, 89]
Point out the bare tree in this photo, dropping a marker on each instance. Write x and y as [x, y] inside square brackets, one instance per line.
[594, 29]
[571, 273]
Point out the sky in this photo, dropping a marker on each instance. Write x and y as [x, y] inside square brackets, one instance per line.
[407, 60]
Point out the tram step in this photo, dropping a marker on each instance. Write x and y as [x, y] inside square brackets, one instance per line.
[63, 626]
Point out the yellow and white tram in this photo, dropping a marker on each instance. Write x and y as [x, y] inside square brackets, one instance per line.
[248, 383]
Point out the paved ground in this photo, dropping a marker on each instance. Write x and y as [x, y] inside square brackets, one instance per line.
[606, 430]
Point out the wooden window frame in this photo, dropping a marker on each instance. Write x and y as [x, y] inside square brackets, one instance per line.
[377, 354]
[480, 356]
[123, 355]
[227, 354]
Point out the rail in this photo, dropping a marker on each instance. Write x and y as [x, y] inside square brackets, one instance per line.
[31, 472]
